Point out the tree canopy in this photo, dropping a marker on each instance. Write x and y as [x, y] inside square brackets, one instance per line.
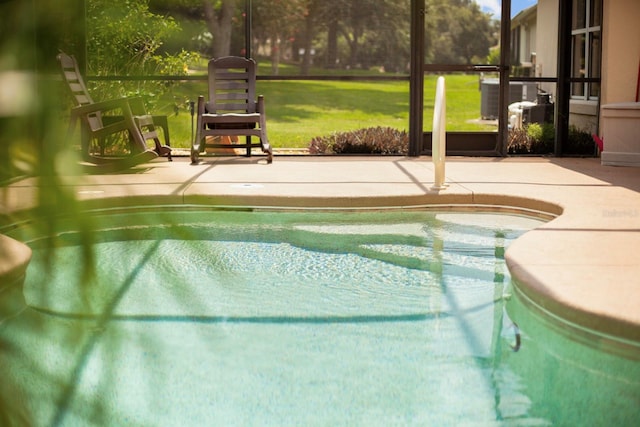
[327, 33]
[124, 38]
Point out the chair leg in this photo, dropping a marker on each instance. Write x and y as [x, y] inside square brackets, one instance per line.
[196, 148]
[161, 122]
[162, 150]
[266, 147]
[147, 127]
[195, 156]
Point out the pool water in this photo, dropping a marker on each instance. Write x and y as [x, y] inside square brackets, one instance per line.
[294, 318]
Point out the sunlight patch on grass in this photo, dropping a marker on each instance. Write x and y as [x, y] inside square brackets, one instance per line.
[298, 111]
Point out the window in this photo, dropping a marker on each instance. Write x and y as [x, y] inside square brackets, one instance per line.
[586, 47]
[515, 46]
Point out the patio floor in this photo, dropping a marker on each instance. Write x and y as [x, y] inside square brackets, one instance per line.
[582, 266]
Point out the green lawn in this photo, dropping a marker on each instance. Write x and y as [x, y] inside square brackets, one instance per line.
[297, 110]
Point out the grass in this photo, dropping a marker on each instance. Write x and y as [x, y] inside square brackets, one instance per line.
[298, 110]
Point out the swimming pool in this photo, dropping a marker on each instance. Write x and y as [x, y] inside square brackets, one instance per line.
[260, 317]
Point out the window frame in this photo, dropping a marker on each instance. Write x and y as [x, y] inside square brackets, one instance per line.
[586, 36]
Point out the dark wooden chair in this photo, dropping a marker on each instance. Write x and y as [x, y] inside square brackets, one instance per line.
[232, 109]
[97, 121]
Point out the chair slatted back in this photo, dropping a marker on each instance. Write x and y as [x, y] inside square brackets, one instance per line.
[74, 80]
[232, 85]
[77, 88]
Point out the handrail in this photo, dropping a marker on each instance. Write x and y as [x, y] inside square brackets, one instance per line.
[439, 135]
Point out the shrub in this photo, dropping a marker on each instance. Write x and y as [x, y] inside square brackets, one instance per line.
[375, 140]
[580, 142]
[534, 138]
[542, 137]
[519, 142]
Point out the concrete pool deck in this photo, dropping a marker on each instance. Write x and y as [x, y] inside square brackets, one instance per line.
[583, 266]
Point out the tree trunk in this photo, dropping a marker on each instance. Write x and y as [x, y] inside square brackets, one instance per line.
[307, 45]
[353, 42]
[332, 45]
[275, 54]
[219, 24]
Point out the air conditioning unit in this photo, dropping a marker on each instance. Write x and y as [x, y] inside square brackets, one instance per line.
[490, 96]
[542, 113]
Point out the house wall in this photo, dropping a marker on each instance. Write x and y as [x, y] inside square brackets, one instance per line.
[583, 114]
[527, 40]
[620, 57]
[547, 43]
[620, 50]
[531, 39]
[620, 110]
[525, 25]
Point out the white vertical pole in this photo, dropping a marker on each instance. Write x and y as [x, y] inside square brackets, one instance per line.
[439, 139]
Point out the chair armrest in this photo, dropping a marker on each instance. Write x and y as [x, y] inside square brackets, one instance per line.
[201, 106]
[260, 107]
[113, 104]
[95, 107]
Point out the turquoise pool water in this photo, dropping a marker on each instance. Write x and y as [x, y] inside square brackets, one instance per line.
[295, 318]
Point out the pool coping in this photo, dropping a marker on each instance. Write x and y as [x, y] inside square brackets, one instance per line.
[579, 266]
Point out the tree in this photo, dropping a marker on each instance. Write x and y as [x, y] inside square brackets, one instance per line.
[212, 26]
[375, 31]
[390, 39]
[356, 17]
[355, 33]
[219, 21]
[277, 22]
[473, 31]
[123, 38]
[457, 31]
[314, 15]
